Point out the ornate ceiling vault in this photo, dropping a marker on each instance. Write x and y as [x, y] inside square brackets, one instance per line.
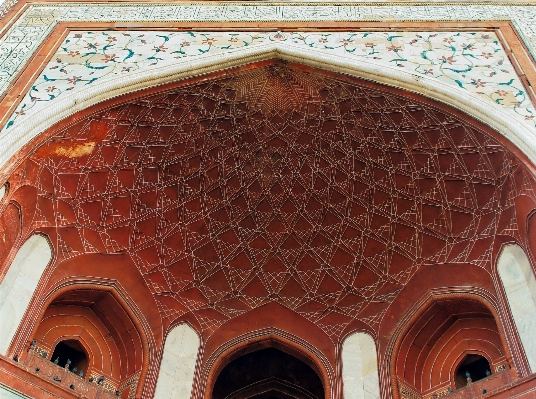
[275, 183]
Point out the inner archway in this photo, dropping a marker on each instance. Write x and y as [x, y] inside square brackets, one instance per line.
[268, 373]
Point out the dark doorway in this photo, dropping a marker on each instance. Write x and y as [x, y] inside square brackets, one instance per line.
[474, 366]
[268, 374]
[71, 350]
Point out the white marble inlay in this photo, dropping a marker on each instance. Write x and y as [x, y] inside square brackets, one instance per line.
[32, 27]
[519, 285]
[360, 367]
[176, 375]
[473, 62]
[19, 284]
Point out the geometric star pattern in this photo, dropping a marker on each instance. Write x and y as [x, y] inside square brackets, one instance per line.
[276, 183]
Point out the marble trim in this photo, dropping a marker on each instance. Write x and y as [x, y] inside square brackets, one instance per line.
[34, 24]
[498, 119]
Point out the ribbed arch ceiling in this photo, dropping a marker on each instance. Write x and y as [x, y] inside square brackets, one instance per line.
[276, 182]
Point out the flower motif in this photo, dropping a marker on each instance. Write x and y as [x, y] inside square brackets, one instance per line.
[346, 42]
[529, 117]
[111, 39]
[21, 112]
[394, 48]
[233, 39]
[322, 40]
[108, 58]
[467, 46]
[74, 79]
[447, 60]
[502, 93]
[478, 83]
[50, 89]
[369, 44]
[74, 53]
[78, 36]
[185, 44]
[160, 48]
[209, 41]
[487, 55]
[126, 69]
[428, 71]
[449, 40]
[58, 60]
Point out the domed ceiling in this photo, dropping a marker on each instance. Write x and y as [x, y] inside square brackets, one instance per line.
[275, 182]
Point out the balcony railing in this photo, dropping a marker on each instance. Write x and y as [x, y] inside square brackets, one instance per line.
[38, 364]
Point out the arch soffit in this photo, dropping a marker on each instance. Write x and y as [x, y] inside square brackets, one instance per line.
[259, 339]
[66, 106]
[146, 333]
[417, 310]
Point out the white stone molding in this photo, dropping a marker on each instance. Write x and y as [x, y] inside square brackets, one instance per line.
[176, 375]
[519, 284]
[8, 393]
[360, 367]
[500, 120]
[37, 20]
[19, 285]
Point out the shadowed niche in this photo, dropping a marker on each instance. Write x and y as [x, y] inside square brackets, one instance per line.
[268, 374]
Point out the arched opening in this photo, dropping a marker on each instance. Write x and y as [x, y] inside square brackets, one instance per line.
[268, 373]
[93, 330]
[519, 284]
[450, 338]
[360, 367]
[474, 367]
[19, 284]
[275, 197]
[71, 352]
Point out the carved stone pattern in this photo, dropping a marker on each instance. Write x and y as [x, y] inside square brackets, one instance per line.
[49, 370]
[276, 184]
[27, 34]
[406, 392]
[473, 62]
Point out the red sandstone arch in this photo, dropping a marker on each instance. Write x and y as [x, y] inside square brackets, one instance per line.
[358, 187]
[121, 341]
[441, 330]
[271, 337]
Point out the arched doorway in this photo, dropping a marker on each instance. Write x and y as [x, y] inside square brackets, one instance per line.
[268, 373]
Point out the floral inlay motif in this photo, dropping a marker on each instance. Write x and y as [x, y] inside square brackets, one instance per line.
[470, 61]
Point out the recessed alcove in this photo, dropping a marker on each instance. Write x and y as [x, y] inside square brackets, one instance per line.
[96, 333]
[451, 337]
[475, 367]
[268, 373]
[73, 353]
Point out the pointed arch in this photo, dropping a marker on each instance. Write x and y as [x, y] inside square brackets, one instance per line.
[19, 285]
[360, 367]
[176, 375]
[519, 285]
[68, 105]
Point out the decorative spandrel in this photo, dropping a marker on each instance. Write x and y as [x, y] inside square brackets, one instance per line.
[277, 183]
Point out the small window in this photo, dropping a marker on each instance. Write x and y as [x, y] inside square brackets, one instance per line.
[71, 350]
[475, 367]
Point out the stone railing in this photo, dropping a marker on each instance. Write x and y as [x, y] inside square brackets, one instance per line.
[38, 364]
[475, 389]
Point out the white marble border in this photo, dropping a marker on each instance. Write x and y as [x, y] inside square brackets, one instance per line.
[32, 27]
[65, 106]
